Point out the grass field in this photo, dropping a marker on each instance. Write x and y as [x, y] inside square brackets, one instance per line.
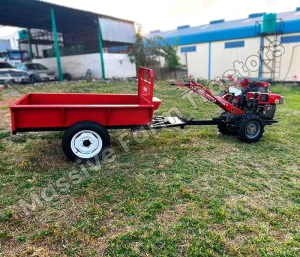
[185, 192]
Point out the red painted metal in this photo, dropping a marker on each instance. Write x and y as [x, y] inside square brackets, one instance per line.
[44, 110]
[271, 99]
[206, 93]
[245, 83]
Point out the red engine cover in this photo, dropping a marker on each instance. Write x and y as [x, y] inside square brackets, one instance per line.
[265, 98]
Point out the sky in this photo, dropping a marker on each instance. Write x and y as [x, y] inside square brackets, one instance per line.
[168, 14]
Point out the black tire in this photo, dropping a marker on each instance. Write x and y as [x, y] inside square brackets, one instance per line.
[96, 132]
[32, 79]
[250, 128]
[67, 76]
[226, 129]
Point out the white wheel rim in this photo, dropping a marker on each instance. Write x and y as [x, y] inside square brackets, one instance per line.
[86, 144]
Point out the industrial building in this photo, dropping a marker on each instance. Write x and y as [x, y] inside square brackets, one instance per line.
[5, 44]
[241, 48]
[70, 40]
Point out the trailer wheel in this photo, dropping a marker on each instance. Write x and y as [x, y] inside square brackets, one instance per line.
[226, 129]
[250, 128]
[85, 140]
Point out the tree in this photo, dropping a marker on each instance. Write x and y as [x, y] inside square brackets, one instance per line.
[137, 54]
[146, 52]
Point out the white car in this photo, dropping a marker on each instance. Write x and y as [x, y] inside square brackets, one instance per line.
[9, 74]
[37, 72]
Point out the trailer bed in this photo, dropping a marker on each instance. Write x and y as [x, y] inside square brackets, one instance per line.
[46, 111]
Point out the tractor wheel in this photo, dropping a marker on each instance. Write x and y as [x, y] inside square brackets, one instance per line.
[226, 129]
[250, 128]
[85, 141]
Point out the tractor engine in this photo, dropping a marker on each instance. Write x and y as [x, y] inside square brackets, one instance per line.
[246, 111]
[257, 100]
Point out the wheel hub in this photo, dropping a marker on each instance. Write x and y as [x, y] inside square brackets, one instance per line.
[252, 129]
[86, 144]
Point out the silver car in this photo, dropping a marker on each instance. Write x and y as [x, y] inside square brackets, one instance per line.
[9, 74]
[37, 72]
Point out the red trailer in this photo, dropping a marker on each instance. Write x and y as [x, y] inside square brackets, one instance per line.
[82, 114]
[86, 117]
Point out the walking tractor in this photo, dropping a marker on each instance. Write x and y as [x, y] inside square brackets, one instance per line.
[85, 118]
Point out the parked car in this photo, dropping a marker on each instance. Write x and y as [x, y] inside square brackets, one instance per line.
[38, 72]
[9, 74]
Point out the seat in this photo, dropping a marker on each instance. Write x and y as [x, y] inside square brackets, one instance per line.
[87, 74]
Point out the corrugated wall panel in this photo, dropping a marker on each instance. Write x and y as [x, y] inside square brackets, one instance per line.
[117, 31]
[4, 44]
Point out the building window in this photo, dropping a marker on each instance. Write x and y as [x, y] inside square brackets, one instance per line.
[188, 49]
[290, 39]
[234, 44]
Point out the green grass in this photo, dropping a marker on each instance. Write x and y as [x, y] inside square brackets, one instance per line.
[185, 192]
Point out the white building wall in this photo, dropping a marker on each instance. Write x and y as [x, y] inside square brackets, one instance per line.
[116, 65]
[196, 62]
[182, 57]
[290, 61]
[223, 59]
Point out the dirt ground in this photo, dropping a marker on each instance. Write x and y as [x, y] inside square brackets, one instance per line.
[4, 120]
[7, 98]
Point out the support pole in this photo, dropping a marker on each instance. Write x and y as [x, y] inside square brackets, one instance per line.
[101, 49]
[261, 53]
[56, 46]
[209, 60]
[30, 45]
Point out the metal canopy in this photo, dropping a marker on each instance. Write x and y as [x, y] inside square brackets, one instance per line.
[117, 31]
[36, 14]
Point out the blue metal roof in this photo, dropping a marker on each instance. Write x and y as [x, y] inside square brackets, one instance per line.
[226, 30]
